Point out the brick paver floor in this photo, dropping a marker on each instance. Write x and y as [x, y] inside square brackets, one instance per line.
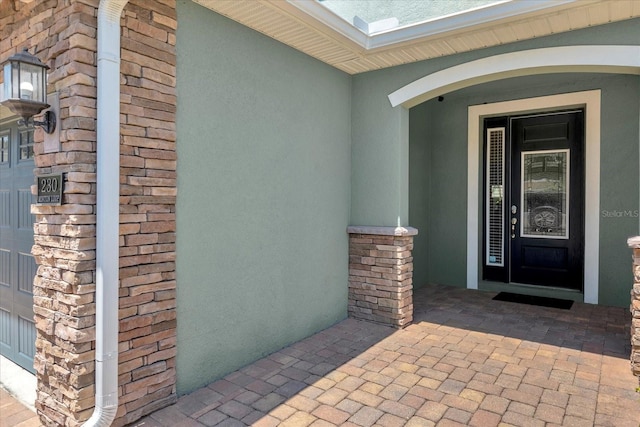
[466, 360]
[14, 414]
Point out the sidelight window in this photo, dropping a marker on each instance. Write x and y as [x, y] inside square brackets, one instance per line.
[495, 196]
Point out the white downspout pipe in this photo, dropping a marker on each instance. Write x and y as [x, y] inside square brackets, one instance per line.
[108, 211]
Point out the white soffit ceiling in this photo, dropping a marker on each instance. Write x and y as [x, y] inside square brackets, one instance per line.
[309, 27]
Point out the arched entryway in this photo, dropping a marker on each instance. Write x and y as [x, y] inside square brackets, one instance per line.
[565, 59]
[489, 74]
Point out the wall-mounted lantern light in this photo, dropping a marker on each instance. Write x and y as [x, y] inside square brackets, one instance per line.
[25, 89]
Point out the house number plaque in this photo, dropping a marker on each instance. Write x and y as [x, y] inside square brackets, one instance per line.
[49, 190]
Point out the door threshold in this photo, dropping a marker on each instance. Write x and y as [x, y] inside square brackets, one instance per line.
[533, 290]
[555, 288]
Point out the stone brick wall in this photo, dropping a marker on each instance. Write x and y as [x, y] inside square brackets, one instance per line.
[380, 274]
[147, 374]
[634, 243]
[62, 33]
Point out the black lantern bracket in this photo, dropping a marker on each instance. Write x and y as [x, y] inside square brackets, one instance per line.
[48, 124]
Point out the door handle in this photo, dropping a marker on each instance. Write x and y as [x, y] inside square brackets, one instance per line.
[514, 221]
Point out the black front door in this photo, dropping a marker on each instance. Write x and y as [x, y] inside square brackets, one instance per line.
[541, 209]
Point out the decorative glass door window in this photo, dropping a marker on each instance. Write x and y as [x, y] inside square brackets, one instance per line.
[545, 194]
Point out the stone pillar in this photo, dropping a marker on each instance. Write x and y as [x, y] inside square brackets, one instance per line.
[380, 274]
[148, 190]
[63, 35]
[634, 243]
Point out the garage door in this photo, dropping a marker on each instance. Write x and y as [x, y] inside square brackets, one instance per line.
[17, 266]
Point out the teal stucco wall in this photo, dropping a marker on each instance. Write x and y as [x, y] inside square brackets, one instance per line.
[380, 155]
[278, 153]
[263, 195]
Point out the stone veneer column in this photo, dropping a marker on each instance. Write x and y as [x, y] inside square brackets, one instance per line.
[380, 274]
[634, 243]
[148, 190]
[62, 33]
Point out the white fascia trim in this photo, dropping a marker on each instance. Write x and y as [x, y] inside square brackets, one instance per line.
[602, 59]
[327, 17]
[590, 101]
[462, 20]
[457, 21]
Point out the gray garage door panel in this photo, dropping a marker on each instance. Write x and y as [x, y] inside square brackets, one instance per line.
[17, 266]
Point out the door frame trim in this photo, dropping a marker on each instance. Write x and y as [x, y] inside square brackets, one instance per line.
[590, 101]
